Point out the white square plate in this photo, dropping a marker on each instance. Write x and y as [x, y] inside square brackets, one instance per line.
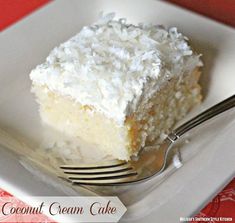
[182, 193]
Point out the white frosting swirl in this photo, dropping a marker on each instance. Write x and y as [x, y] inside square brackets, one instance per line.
[108, 64]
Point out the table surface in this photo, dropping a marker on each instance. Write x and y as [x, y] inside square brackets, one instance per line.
[223, 205]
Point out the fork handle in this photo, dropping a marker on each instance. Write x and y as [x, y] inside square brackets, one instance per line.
[202, 117]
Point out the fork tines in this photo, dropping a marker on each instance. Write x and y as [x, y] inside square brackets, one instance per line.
[105, 174]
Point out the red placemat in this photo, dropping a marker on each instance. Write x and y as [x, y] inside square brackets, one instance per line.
[13, 10]
[223, 205]
[220, 10]
[7, 197]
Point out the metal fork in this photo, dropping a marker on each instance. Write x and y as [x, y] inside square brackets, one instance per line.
[150, 162]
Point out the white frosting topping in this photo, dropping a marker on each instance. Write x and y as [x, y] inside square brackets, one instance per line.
[108, 64]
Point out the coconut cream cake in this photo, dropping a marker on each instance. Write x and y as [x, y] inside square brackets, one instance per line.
[118, 86]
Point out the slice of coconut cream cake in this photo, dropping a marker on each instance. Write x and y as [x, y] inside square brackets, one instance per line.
[118, 86]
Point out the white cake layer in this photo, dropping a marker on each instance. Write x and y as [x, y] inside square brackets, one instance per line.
[152, 121]
[109, 65]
